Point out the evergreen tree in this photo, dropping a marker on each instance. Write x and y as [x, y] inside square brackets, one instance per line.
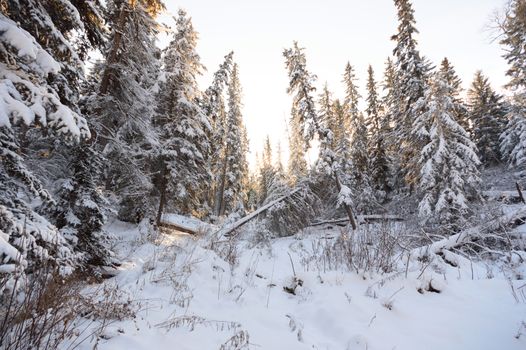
[411, 75]
[301, 87]
[236, 148]
[326, 114]
[214, 107]
[448, 71]
[389, 103]
[123, 105]
[297, 166]
[378, 130]
[358, 176]
[352, 96]
[266, 172]
[342, 146]
[486, 114]
[184, 127]
[29, 99]
[513, 140]
[80, 210]
[448, 161]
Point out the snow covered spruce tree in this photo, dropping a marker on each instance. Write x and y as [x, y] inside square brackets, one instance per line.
[297, 165]
[122, 104]
[301, 88]
[266, 172]
[378, 129]
[358, 175]
[513, 140]
[234, 167]
[341, 141]
[487, 117]
[184, 127]
[80, 211]
[213, 104]
[449, 73]
[411, 76]
[29, 99]
[447, 164]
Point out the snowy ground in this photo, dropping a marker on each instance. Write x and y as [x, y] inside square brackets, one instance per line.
[187, 297]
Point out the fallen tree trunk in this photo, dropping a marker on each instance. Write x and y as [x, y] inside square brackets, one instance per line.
[361, 219]
[464, 236]
[226, 231]
[183, 223]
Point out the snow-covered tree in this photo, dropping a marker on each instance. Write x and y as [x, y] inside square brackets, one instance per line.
[378, 129]
[357, 178]
[266, 172]
[122, 105]
[448, 175]
[411, 75]
[301, 88]
[27, 100]
[297, 165]
[326, 113]
[513, 140]
[341, 141]
[486, 115]
[80, 211]
[454, 81]
[185, 128]
[235, 166]
[213, 105]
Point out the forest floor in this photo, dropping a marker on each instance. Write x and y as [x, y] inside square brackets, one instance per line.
[298, 292]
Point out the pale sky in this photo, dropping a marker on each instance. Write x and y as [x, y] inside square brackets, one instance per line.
[333, 32]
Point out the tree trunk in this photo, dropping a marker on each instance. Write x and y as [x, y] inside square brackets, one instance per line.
[112, 56]
[347, 207]
[226, 231]
[219, 207]
[519, 190]
[162, 189]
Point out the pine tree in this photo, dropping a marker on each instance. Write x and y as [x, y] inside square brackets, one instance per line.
[378, 130]
[390, 103]
[213, 105]
[352, 96]
[236, 149]
[326, 114]
[411, 76]
[266, 172]
[358, 175]
[80, 210]
[301, 87]
[453, 80]
[122, 105]
[513, 140]
[297, 166]
[486, 114]
[67, 29]
[185, 128]
[29, 99]
[342, 146]
[448, 161]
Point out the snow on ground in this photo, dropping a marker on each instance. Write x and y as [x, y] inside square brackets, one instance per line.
[188, 297]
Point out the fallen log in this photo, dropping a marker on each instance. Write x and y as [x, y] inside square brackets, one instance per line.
[460, 238]
[361, 219]
[183, 224]
[226, 231]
